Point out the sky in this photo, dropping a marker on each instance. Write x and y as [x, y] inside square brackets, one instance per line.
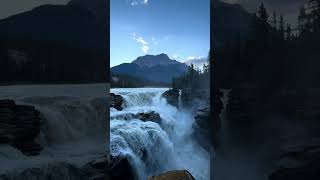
[12, 7]
[178, 28]
[289, 8]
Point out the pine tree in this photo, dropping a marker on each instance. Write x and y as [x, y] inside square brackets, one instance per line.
[281, 29]
[302, 20]
[315, 14]
[288, 32]
[263, 14]
[274, 19]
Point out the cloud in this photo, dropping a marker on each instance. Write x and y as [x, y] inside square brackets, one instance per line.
[191, 57]
[145, 49]
[134, 3]
[155, 41]
[174, 56]
[144, 44]
[139, 2]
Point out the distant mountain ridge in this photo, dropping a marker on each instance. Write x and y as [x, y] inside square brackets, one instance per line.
[57, 44]
[157, 68]
[78, 24]
[149, 61]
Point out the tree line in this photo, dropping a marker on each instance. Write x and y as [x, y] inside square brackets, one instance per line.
[29, 61]
[276, 55]
[194, 77]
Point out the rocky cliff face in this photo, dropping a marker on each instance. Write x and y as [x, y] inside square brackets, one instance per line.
[19, 126]
[172, 96]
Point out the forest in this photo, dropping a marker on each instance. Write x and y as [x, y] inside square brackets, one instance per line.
[194, 77]
[276, 55]
[30, 61]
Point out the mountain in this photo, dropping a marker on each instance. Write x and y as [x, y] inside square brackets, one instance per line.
[157, 68]
[58, 43]
[149, 61]
[73, 24]
[231, 23]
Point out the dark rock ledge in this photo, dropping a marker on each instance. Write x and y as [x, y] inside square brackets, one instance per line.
[116, 101]
[19, 126]
[101, 168]
[172, 97]
[144, 116]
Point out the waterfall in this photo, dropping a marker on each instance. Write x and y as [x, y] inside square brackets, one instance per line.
[152, 147]
[72, 130]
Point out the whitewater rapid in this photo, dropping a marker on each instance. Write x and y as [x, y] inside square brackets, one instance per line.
[73, 125]
[153, 148]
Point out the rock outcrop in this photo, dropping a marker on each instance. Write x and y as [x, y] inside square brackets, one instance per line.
[120, 168]
[299, 162]
[194, 97]
[174, 175]
[116, 101]
[202, 126]
[149, 116]
[19, 126]
[144, 116]
[172, 97]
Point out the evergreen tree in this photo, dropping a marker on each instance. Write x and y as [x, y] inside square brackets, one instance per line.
[274, 19]
[281, 26]
[302, 20]
[288, 32]
[263, 14]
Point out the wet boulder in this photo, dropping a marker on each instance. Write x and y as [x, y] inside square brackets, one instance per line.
[149, 116]
[172, 97]
[143, 116]
[116, 101]
[173, 175]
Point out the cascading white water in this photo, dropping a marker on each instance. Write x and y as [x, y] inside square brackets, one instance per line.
[73, 127]
[154, 148]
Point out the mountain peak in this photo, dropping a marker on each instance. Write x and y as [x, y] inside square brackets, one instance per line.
[154, 60]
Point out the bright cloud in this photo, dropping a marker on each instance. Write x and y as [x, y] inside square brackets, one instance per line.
[144, 44]
[191, 58]
[139, 2]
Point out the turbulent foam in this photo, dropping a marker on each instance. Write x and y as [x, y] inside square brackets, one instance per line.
[73, 126]
[155, 148]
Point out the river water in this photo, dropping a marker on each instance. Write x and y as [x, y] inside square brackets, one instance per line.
[152, 147]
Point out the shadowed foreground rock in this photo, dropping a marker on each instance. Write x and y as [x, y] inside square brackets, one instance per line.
[173, 175]
[19, 126]
[116, 101]
[100, 168]
[300, 162]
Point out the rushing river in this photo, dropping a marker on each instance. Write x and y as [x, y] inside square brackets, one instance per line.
[151, 147]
